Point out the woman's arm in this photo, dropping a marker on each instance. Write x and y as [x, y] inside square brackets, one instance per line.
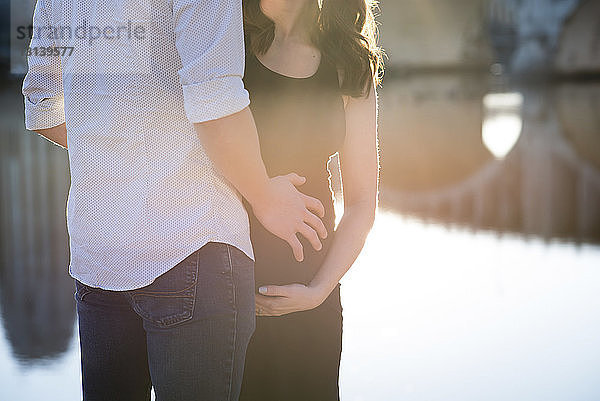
[360, 172]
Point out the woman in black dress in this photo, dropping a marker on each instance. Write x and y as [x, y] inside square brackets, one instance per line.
[311, 71]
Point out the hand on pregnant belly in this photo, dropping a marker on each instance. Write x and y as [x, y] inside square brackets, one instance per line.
[278, 300]
[285, 211]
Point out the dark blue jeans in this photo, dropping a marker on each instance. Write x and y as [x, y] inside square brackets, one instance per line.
[185, 334]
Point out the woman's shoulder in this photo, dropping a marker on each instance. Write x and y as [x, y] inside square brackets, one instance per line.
[335, 76]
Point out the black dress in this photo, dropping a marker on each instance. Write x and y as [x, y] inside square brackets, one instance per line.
[301, 123]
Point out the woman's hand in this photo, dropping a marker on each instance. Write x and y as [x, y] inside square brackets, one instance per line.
[278, 300]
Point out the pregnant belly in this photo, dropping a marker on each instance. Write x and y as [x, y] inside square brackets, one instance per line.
[275, 262]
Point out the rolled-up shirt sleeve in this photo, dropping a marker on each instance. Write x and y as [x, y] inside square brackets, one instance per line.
[43, 86]
[209, 37]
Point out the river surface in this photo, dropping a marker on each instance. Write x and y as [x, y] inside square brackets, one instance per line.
[479, 281]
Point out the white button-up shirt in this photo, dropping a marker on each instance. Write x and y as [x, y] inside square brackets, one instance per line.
[129, 78]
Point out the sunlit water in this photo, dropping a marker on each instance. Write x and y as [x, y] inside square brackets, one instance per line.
[436, 314]
[479, 281]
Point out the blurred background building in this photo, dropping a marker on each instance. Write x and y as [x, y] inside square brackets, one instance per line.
[523, 36]
[452, 153]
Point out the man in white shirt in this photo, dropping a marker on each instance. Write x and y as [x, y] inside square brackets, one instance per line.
[148, 97]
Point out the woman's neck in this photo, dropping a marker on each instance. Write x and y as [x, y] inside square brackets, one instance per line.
[289, 19]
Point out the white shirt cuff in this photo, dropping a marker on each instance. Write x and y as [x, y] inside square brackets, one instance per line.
[44, 114]
[215, 99]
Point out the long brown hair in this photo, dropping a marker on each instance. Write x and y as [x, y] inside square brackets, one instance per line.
[343, 30]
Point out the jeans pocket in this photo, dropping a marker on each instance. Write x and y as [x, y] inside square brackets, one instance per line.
[81, 290]
[218, 282]
[165, 310]
[170, 299]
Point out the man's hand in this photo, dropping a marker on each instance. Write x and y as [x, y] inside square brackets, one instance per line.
[285, 211]
[278, 300]
[232, 144]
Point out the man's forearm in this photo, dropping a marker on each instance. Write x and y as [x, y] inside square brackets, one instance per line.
[232, 144]
[57, 135]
